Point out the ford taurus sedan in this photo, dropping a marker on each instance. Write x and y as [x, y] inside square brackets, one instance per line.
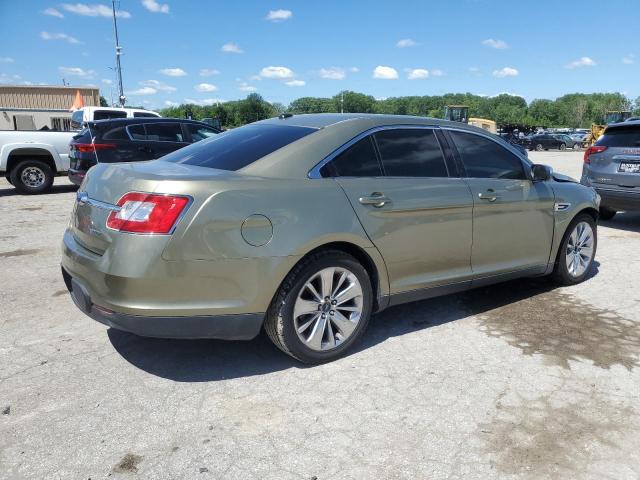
[306, 225]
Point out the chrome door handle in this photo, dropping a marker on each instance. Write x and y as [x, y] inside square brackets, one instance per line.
[376, 199]
[492, 197]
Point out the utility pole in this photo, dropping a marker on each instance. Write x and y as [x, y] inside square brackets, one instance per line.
[122, 98]
[341, 102]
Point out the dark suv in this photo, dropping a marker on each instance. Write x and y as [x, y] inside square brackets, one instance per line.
[612, 167]
[545, 141]
[131, 140]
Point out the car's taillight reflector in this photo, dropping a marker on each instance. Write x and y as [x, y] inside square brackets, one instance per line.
[92, 147]
[147, 213]
[591, 150]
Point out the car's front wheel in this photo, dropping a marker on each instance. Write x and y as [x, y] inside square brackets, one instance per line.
[322, 307]
[577, 251]
[563, 146]
[32, 176]
[539, 147]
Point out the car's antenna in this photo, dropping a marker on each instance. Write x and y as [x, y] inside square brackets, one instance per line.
[122, 98]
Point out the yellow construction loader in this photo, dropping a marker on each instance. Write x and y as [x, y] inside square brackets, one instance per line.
[611, 116]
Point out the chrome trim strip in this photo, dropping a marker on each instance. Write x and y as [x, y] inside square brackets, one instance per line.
[315, 171]
[83, 197]
[561, 207]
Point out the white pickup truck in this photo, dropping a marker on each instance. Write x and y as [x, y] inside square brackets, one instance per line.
[29, 159]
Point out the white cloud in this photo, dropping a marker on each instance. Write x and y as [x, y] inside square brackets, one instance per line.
[155, 7]
[581, 62]
[332, 73]
[279, 15]
[497, 44]
[629, 59]
[143, 91]
[385, 73]
[204, 101]
[417, 73]
[59, 36]
[6, 60]
[208, 72]
[173, 72]
[160, 86]
[106, 81]
[475, 71]
[436, 73]
[52, 12]
[354, 69]
[6, 78]
[170, 103]
[406, 42]
[76, 72]
[276, 72]
[295, 83]
[231, 48]
[506, 72]
[245, 87]
[94, 10]
[205, 87]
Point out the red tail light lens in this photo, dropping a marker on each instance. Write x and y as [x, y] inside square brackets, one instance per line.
[591, 150]
[147, 213]
[92, 147]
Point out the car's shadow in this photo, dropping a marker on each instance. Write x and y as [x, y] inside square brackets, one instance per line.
[211, 360]
[10, 191]
[628, 221]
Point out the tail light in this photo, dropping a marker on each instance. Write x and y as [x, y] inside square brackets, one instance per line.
[147, 213]
[92, 147]
[591, 150]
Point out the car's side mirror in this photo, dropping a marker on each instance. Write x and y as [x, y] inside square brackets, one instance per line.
[541, 173]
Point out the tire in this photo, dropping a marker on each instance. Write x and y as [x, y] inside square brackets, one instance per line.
[8, 177]
[282, 326]
[561, 272]
[576, 146]
[607, 213]
[563, 147]
[539, 147]
[32, 177]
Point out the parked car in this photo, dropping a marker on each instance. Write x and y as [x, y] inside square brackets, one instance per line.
[612, 167]
[579, 138]
[30, 160]
[546, 141]
[307, 224]
[567, 140]
[91, 114]
[131, 140]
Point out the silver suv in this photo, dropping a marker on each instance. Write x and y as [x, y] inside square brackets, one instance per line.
[612, 167]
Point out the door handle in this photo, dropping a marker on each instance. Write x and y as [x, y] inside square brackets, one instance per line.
[491, 197]
[376, 199]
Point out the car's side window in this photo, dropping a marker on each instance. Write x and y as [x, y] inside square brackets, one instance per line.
[164, 132]
[411, 153]
[137, 132]
[484, 158]
[359, 160]
[199, 132]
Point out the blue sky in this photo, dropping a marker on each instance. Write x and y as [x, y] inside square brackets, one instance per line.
[205, 51]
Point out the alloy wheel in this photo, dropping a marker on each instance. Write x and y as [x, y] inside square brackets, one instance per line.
[328, 308]
[33, 177]
[579, 251]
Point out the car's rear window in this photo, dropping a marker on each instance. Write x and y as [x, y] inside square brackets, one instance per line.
[621, 137]
[237, 148]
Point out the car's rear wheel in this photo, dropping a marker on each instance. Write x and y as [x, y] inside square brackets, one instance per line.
[539, 147]
[32, 176]
[563, 146]
[322, 307]
[577, 251]
[607, 213]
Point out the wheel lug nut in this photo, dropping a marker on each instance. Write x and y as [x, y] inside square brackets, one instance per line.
[331, 312]
[324, 315]
[333, 302]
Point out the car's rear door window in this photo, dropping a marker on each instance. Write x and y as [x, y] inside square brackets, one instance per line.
[621, 137]
[237, 148]
[411, 153]
[484, 158]
[164, 132]
[137, 132]
[200, 132]
[359, 160]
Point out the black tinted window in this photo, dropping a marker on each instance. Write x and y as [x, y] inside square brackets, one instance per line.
[137, 132]
[411, 153]
[200, 132]
[163, 132]
[484, 158]
[621, 137]
[118, 133]
[107, 114]
[359, 160]
[145, 115]
[237, 148]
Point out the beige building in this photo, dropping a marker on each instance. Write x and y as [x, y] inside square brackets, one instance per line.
[36, 107]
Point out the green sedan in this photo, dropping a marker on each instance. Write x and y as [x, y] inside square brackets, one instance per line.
[306, 225]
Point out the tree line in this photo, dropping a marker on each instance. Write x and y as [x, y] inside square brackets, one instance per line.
[575, 110]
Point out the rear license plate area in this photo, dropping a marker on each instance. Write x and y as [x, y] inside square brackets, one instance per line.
[629, 167]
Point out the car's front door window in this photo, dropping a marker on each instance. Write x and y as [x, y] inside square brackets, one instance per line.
[484, 158]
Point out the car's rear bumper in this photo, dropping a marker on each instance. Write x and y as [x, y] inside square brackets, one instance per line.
[226, 327]
[76, 176]
[619, 200]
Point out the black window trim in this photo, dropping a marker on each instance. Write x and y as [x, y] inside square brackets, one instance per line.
[314, 173]
[525, 162]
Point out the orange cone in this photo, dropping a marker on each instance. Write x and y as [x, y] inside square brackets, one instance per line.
[78, 103]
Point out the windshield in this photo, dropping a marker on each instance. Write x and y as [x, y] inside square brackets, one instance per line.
[237, 148]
